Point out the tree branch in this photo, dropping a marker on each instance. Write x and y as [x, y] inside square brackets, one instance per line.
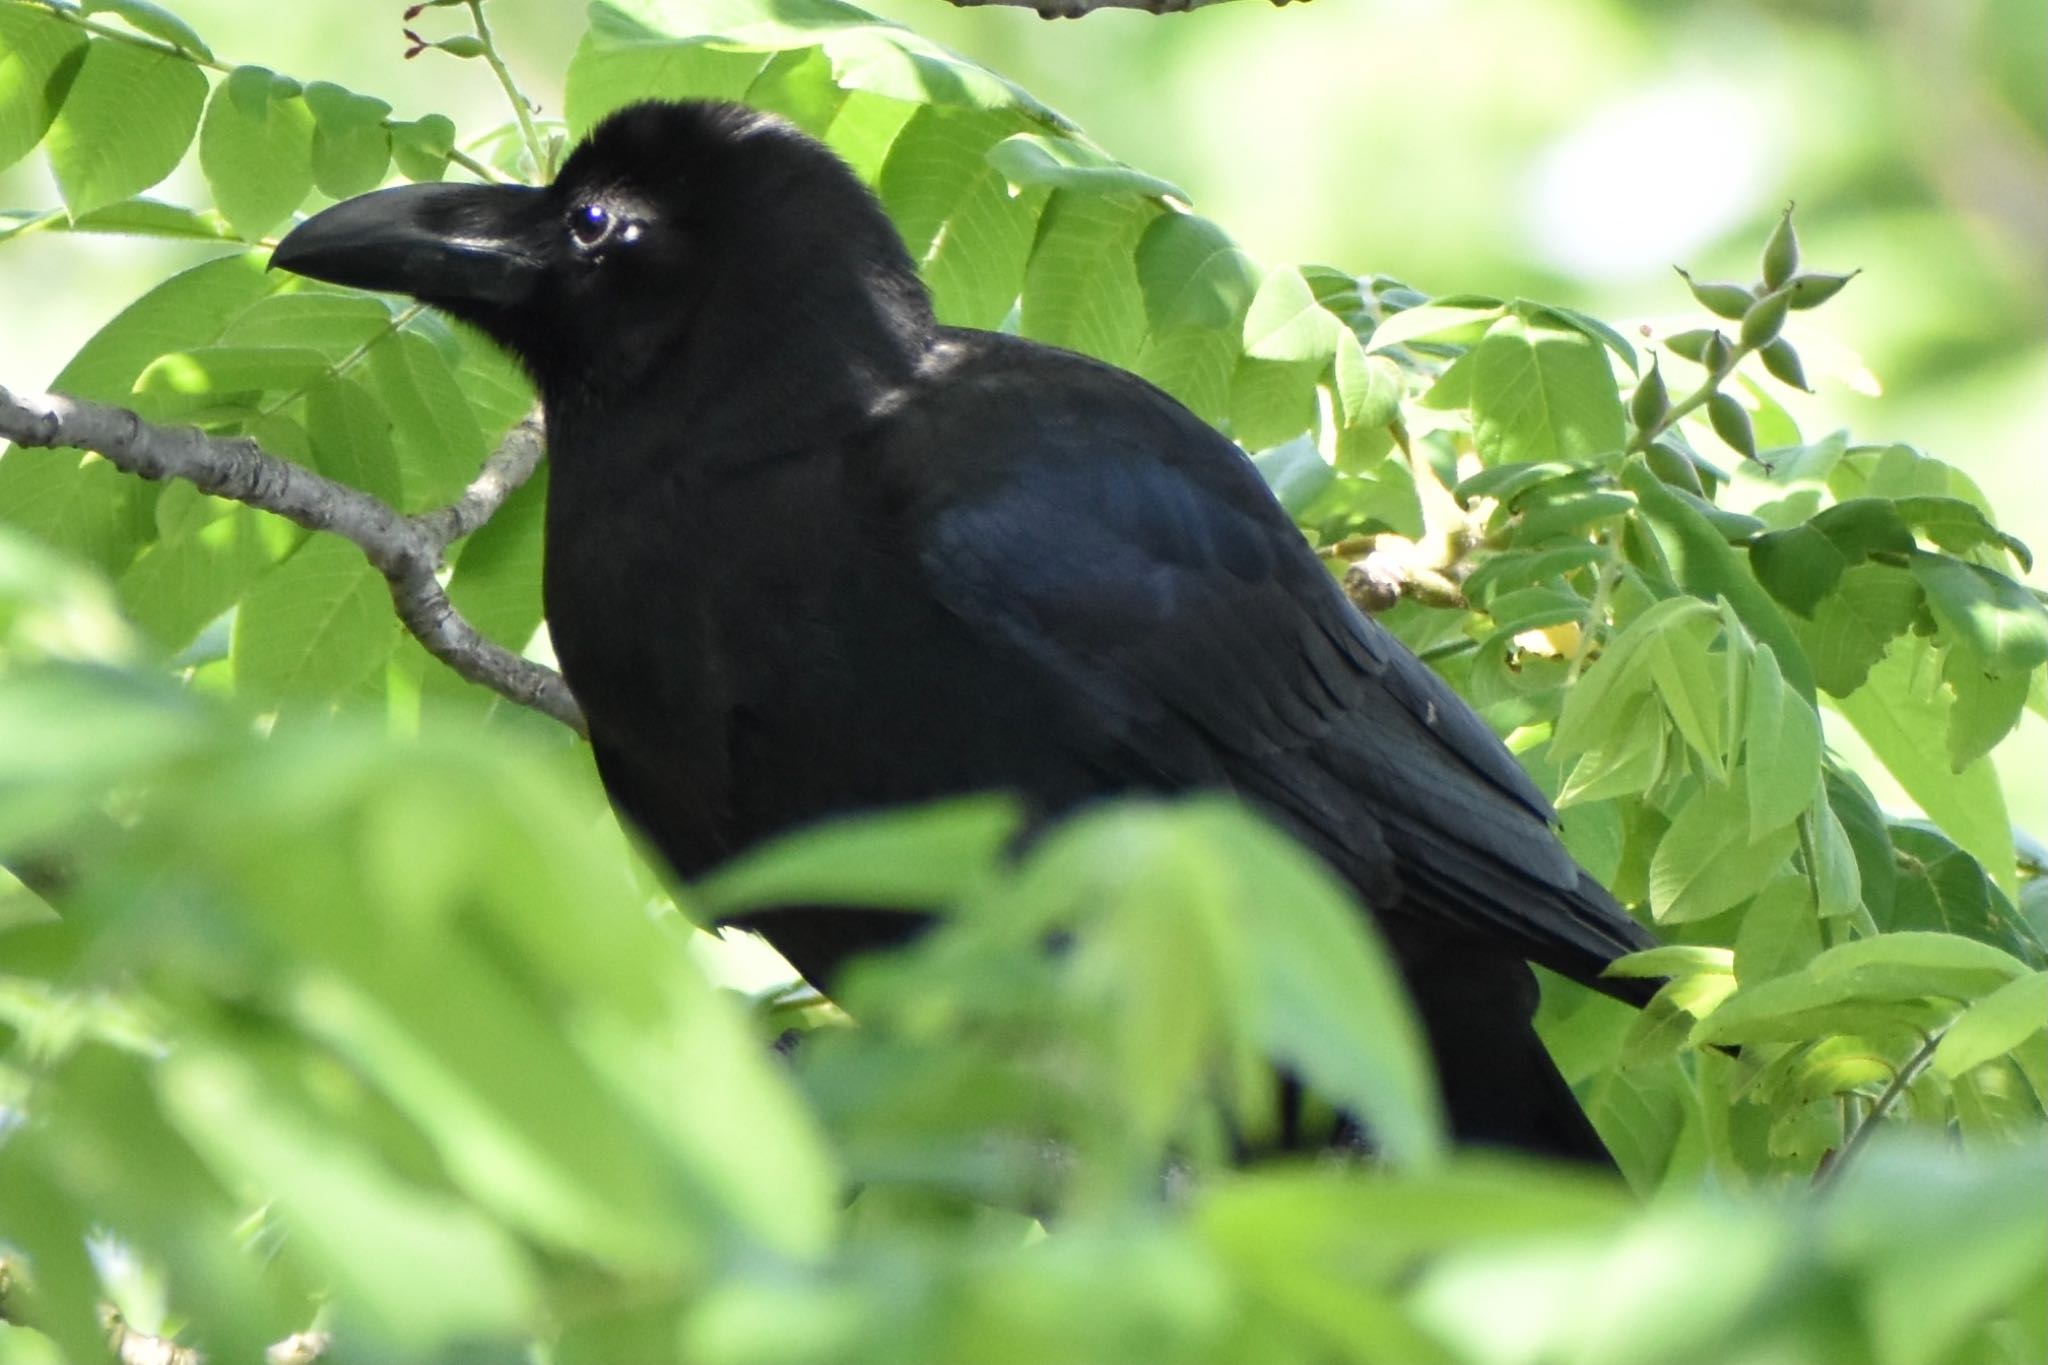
[406, 550]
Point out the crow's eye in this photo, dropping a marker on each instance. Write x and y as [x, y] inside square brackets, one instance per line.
[589, 224]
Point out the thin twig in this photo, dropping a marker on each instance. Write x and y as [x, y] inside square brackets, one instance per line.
[535, 148]
[1832, 1166]
[406, 550]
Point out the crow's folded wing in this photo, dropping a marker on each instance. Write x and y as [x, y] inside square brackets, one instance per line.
[1136, 557]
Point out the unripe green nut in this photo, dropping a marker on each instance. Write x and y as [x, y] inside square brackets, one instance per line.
[1765, 318]
[1731, 424]
[1718, 353]
[1668, 463]
[1691, 345]
[1781, 252]
[1648, 404]
[461, 45]
[1720, 297]
[1783, 363]
[1811, 291]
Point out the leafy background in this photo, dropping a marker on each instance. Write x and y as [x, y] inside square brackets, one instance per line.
[344, 948]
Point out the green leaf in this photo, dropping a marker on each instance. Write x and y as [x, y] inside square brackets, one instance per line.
[1939, 886]
[154, 20]
[152, 218]
[1081, 287]
[1994, 1025]
[125, 124]
[1193, 275]
[1436, 322]
[1958, 526]
[1622, 673]
[200, 566]
[434, 428]
[1780, 931]
[313, 629]
[1870, 606]
[1272, 402]
[1799, 566]
[404, 1295]
[1329, 1004]
[1837, 990]
[1286, 323]
[1837, 875]
[1707, 862]
[89, 508]
[350, 438]
[1781, 739]
[1855, 811]
[1195, 365]
[1519, 568]
[351, 145]
[970, 235]
[39, 56]
[1584, 322]
[1507, 482]
[1543, 393]
[1707, 568]
[1673, 959]
[1068, 164]
[1987, 706]
[496, 583]
[1368, 387]
[1626, 761]
[421, 148]
[1296, 472]
[1902, 713]
[622, 60]
[1692, 688]
[1996, 619]
[920, 858]
[335, 324]
[188, 381]
[1544, 518]
[642, 49]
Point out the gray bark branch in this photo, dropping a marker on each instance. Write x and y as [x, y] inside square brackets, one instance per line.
[407, 550]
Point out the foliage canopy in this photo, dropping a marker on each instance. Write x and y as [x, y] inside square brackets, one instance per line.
[356, 1009]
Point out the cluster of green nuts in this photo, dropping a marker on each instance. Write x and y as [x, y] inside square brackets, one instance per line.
[1759, 311]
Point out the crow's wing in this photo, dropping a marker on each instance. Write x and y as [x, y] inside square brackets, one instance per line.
[1091, 524]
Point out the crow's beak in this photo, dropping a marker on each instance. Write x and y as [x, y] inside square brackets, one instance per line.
[449, 245]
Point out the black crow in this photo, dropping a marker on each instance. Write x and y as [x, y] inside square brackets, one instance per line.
[809, 551]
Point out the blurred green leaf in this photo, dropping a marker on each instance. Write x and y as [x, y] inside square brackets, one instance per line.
[923, 858]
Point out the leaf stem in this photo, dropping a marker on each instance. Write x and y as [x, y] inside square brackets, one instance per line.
[1832, 1166]
[78, 19]
[1684, 406]
[1596, 607]
[535, 148]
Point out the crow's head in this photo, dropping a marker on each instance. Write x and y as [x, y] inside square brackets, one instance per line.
[674, 231]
